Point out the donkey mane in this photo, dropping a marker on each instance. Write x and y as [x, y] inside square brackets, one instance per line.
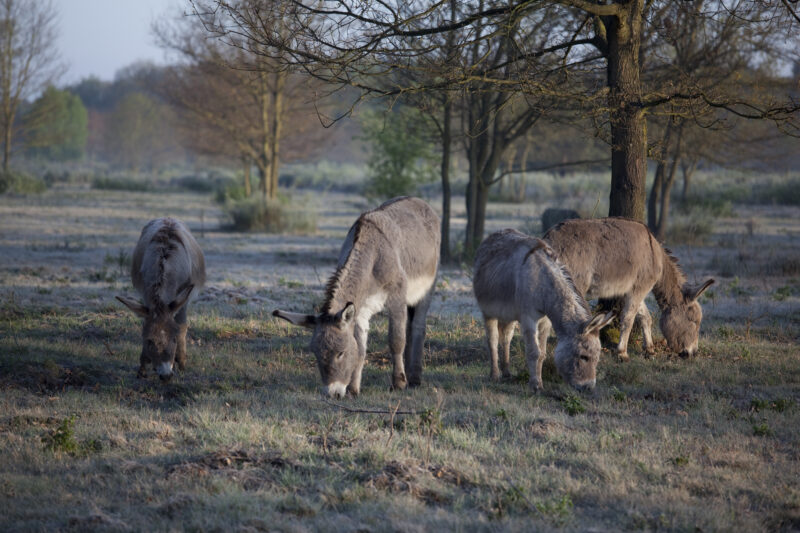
[335, 281]
[164, 242]
[668, 290]
[564, 272]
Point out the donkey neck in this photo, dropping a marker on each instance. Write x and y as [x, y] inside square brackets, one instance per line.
[668, 290]
[563, 304]
[352, 281]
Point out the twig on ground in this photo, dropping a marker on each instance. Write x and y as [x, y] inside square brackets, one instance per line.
[391, 422]
[370, 411]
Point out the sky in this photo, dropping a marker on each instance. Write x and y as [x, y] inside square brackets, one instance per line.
[99, 37]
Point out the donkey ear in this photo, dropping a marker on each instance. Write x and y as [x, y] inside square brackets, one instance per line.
[346, 315]
[181, 299]
[598, 322]
[138, 308]
[693, 294]
[298, 319]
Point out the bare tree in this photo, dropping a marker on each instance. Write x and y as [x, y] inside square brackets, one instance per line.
[28, 58]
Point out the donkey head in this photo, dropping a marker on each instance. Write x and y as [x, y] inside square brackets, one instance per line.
[160, 332]
[680, 323]
[577, 357]
[333, 344]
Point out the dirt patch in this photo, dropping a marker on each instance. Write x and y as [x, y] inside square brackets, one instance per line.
[48, 377]
[251, 470]
[416, 480]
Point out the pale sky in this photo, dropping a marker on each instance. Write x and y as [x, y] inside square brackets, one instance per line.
[99, 37]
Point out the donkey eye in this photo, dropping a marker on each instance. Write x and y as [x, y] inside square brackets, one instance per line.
[585, 358]
[339, 355]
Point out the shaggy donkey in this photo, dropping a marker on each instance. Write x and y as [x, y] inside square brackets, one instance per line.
[167, 266]
[616, 257]
[389, 258]
[517, 278]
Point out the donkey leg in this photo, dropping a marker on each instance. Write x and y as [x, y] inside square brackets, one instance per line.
[533, 357]
[506, 334]
[397, 342]
[544, 332]
[354, 387]
[491, 337]
[646, 322]
[180, 350]
[415, 340]
[626, 318]
[144, 362]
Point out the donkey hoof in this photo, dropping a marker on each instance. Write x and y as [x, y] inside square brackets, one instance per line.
[494, 376]
[623, 356]
[399, 382]
[142, 373]
[414, 382]
[535, 386]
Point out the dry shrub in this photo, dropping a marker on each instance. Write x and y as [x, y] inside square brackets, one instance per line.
[272, 216]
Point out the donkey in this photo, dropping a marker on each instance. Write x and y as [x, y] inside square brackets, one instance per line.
[389, 258]
[518, 278]
[167, 266]
[617, 257]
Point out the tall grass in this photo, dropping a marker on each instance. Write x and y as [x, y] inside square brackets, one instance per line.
[271, 216]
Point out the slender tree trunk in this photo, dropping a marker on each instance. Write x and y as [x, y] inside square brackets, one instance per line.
[653, 201]
[446, 153]
[6, 146]
[687, 168]
[628, 126]
[666, 188]
[275, 131]
[523, 174]
[264, 148]
[248, 189]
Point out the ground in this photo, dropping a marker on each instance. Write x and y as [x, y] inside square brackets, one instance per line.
[242, 440]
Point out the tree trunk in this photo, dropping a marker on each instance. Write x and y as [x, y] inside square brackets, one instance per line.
[666, 188]
[687, 168]
[6, 146]
[275, 131]
[446, 153]
[523, 174]
[653, 201]
[628, 126]
[248, 189]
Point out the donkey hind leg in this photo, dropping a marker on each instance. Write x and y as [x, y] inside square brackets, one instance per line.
[533, 356]
[415, 340]
[397, 341]
[506, 334]
[630, 307]
[491, 337]
[180, 350]
[354, 387]
[646, 322]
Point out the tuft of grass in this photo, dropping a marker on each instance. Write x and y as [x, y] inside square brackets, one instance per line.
[62, 438]
[573, 404]
[762, 430]
[558, 511]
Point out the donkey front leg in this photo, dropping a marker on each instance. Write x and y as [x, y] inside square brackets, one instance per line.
[360, 331]
[397, 341]
[629, 309]
[144, 362]
[533, 356]
[646, 322]
[180, 350]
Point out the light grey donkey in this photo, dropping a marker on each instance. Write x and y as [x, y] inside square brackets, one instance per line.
[617, 257]
[167, 266]
[389, 259]
[518, 278]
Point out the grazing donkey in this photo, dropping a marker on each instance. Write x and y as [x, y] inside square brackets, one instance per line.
[167, 266]
[389, 258]
[517, 278]
[617, 257]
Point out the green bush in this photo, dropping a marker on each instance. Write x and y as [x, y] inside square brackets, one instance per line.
[20, 183]
[693, 229]
[783, 193]
[272, 216]
[120, 184]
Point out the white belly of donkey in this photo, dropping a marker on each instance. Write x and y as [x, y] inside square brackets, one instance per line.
[417, 289]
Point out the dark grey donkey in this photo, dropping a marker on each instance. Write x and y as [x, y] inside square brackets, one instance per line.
[517, 278]
[389, 259]
[167, 266]
[617, 257]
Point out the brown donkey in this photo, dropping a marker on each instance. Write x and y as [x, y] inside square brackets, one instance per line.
[167, 266]
[617, 257]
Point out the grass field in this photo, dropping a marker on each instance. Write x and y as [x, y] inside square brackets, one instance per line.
[242, 441]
